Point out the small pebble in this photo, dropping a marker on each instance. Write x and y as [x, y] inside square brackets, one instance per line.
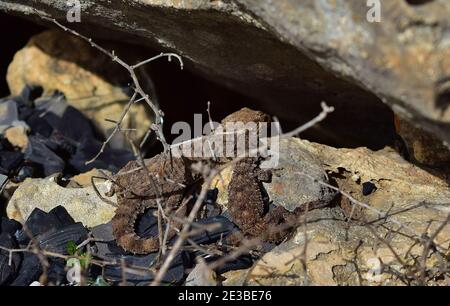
[356, 178]
[35, 284]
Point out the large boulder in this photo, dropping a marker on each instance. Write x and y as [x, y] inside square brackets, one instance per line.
[288, 54]
[231, 43]
[404, 59]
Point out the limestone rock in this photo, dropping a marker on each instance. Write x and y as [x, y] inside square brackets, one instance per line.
[84, 179]
[400, 184]
[289, 187]
[403, 57]
[283, 265]
[8, 187]
[91, 82]
[82, 204]
[336, 254]
[221, 182]
[227, 45]
[339, 252]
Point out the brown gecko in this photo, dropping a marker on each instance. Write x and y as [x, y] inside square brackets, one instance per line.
[245, 198]
[136, 193]
[248, 210]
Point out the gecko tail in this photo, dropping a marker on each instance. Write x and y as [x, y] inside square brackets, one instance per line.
[131, 242]
[126, 237]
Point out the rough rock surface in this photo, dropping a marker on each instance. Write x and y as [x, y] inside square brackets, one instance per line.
[339, 252]
[9, 116]
[288, 187]
[225, 43]
[201, 276]
[276, 51]
[55, 60]
[17, 136]
[82, 204]
[84, 179]
[401, 185]
[404, 59]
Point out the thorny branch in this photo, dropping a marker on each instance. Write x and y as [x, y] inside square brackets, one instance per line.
[383, 215]
[244, 248]
[184, 232]
[159, 115]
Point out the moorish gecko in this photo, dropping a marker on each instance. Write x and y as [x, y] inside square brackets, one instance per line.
[171, 177]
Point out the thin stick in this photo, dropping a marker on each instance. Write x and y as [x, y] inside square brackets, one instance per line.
[326, 110]
[183, 234]
[427, 247]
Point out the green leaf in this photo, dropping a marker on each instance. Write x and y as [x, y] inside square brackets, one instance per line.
[71, 248]
[85, 260]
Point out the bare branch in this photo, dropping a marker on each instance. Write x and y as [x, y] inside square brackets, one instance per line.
[157, 127]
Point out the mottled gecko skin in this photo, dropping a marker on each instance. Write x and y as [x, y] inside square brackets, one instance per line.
[247, 208]
[135, 194]
[245, 199]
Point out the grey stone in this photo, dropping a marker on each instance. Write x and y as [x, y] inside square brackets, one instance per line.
[9, 116]
[8, 113]
[103, 234]
[201, 275]
[403, 59]
[289, 187]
